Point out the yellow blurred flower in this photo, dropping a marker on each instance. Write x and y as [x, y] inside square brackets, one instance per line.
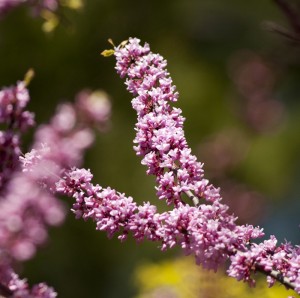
[181, 278]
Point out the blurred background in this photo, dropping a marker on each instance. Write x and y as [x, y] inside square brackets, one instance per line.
[236, 65]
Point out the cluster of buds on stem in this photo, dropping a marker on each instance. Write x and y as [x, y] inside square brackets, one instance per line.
[197, 221]
[207, 230]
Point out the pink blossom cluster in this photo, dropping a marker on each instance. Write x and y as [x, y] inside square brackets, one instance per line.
[93, 108]
[161, 142]
[27, 202]
[13, 101]
[30, 182]
[26, 209]
[7, 5]
[206, 231]
[160, 137]
[277, 262]
[16, 119]
[60, 145]
[255, 79]
[12, 286]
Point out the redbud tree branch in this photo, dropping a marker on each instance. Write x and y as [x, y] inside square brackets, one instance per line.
[291, 13]
[206, 229]
[293, 17]
[277, 275]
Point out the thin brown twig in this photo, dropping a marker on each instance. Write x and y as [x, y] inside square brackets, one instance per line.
[291, 13]
[273, 27]
[278, 276]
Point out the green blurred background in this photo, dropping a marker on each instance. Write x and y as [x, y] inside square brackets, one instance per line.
[202, 40]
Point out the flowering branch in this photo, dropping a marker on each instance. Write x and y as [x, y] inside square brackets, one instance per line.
[199, 230]
[13, 287]
[207, 230]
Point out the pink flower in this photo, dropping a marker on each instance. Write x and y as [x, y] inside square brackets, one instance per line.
[37, 6]
[207, 231]
[13, 286]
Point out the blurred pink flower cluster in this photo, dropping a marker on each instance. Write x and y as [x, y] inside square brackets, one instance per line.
[51, 11]
[12, 286]
[37, 6]
[255, 80]
[223, 153]
[27, 200]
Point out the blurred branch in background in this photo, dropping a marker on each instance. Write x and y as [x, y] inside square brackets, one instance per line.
[292, 13]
